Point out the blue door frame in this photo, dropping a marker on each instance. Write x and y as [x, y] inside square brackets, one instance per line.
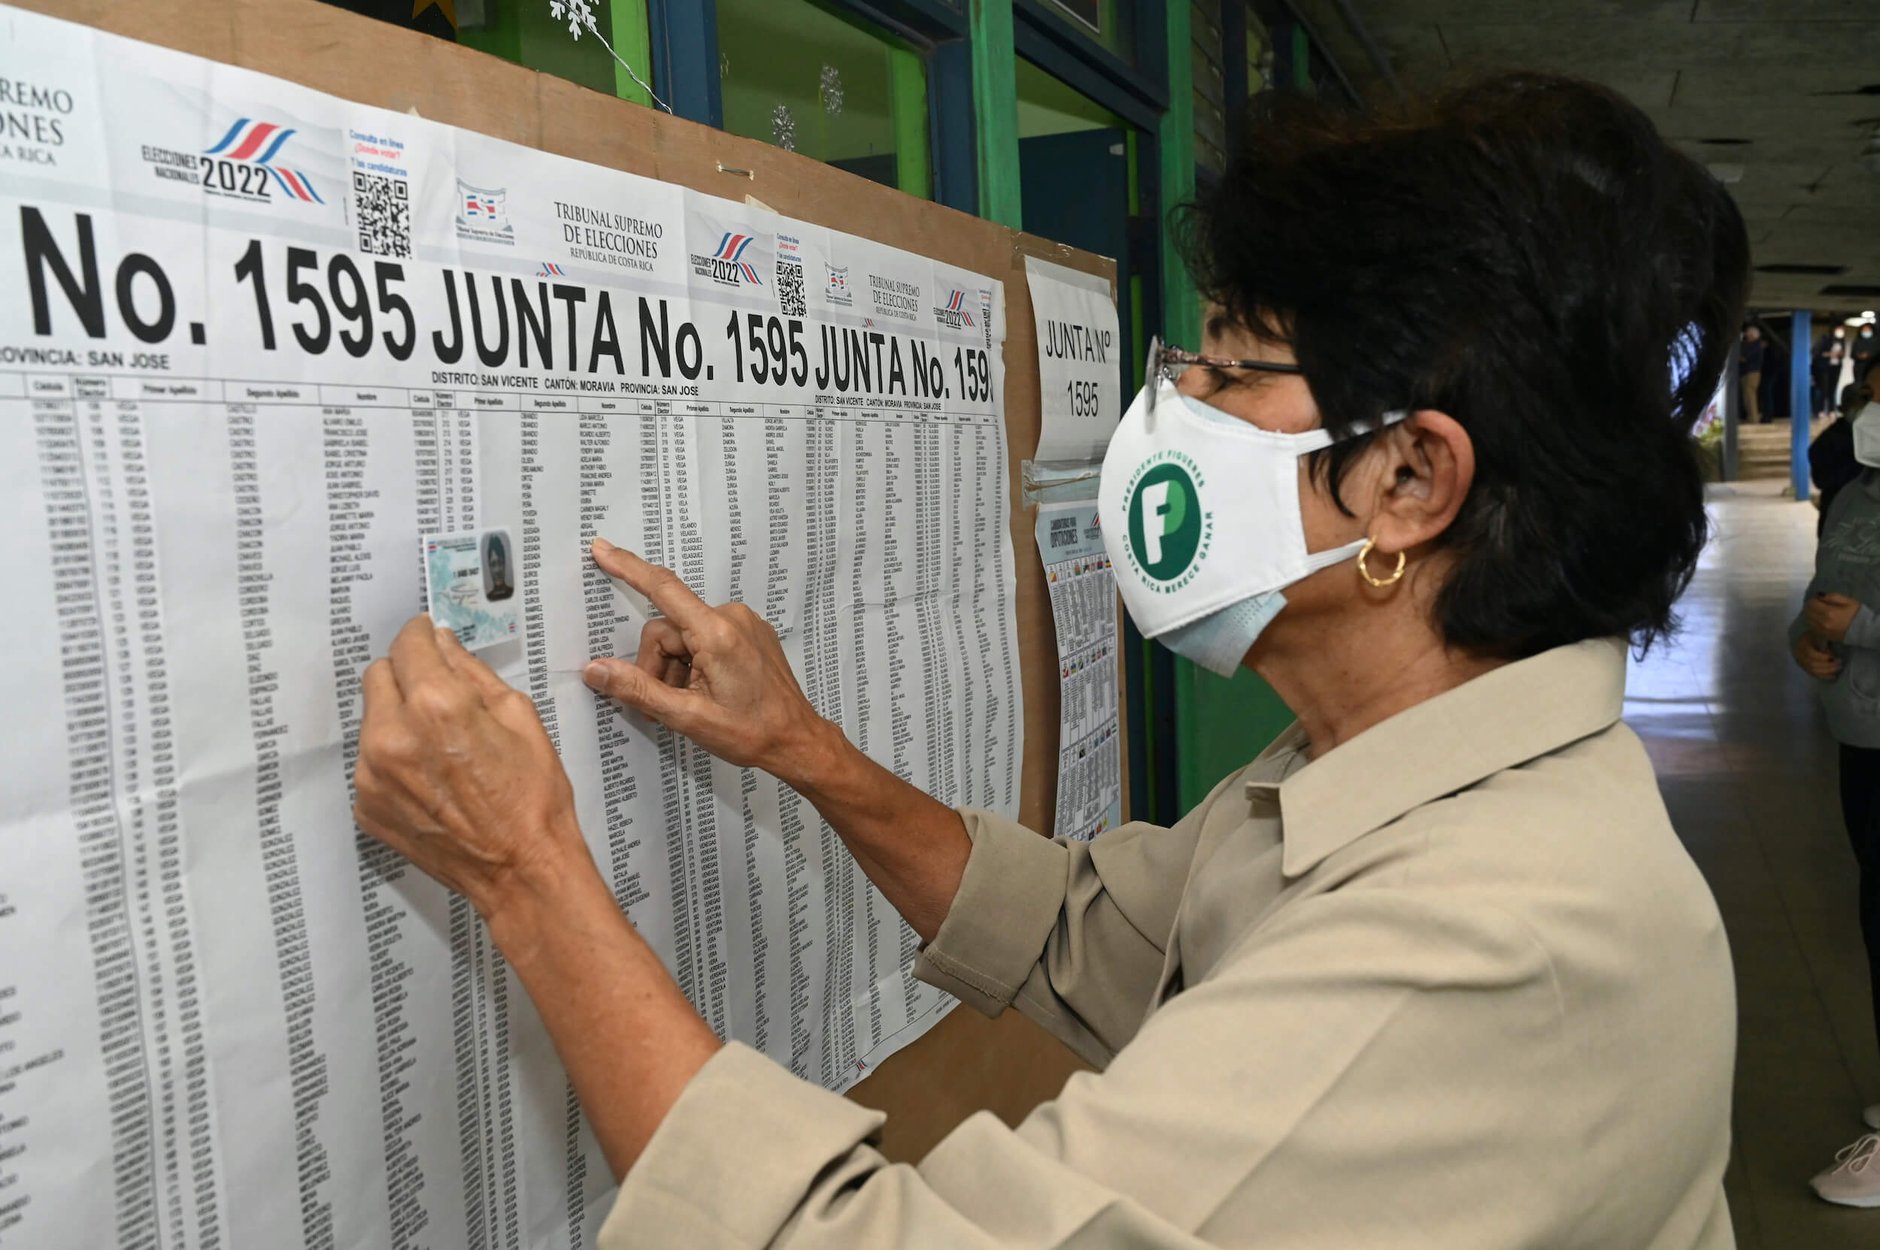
[684, 38]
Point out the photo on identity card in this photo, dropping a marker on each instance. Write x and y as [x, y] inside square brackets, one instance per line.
[470, 585]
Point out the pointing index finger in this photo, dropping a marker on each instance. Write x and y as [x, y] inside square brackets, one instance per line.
[671, 596]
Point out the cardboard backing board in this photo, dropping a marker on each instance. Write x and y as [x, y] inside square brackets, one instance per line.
[966, 1063]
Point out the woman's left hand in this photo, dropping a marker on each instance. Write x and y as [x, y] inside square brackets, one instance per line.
[1829, 616]
[456, 773]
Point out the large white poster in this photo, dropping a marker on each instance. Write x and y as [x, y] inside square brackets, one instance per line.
[256, 342]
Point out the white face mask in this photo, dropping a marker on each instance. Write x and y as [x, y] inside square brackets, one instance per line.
[1867, 435]
[1201, 513]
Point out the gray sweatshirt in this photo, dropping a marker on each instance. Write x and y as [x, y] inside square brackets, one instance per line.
[1847, 562]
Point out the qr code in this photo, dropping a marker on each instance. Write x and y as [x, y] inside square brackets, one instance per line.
[383, 209]
[790, 286]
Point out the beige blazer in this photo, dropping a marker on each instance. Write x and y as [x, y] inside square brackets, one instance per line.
[1454, 985]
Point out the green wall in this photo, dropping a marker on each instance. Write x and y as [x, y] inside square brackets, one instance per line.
[775, 53]
[995, 111]
[1047, 106]
[525, 32]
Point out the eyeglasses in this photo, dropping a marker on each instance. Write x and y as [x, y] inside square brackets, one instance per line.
[1170, 362]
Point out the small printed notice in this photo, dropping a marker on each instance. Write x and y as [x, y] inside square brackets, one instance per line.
[1079, 385]
[1083, 609]
[470, 579]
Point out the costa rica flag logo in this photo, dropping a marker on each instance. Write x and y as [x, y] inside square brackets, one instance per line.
[731, 251]
[481, 206]
[736, 260]
[483, 214]
[258, 144]
[954, 312]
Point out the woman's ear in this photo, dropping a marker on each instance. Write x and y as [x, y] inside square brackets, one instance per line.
[1428, 468]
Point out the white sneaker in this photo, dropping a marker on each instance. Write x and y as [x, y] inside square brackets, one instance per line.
[1854, 1180]
[1872, 1116]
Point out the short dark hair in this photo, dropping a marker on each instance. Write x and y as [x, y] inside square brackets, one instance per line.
[1526, 254]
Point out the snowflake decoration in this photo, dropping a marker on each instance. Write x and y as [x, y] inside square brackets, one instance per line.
[579, 14]
[783, 127]
[830, 89]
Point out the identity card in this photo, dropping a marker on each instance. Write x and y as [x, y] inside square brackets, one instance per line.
[470, 579]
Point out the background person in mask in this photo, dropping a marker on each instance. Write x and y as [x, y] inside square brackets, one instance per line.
[1831, 462]
[1864, 349]
[1829, 350]
[1434, 969]
[1835, 639]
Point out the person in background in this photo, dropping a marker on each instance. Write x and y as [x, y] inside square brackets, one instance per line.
[1831, 462]
[1830, 349]
[1864, 347]
[1835, 639]
[1749, 365]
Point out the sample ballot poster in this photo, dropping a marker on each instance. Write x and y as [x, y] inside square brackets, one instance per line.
[258, 343]
[1083, 611]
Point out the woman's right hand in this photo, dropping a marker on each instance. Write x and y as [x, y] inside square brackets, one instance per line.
[1816, 659]
[718, 675]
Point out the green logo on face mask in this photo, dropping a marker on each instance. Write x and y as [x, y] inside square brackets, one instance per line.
[1165, 522]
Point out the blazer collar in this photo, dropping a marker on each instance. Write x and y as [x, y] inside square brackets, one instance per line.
[1505, 717]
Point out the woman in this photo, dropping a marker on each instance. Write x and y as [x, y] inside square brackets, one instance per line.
[1835, 639]
[1831, 463]
[1434, 969]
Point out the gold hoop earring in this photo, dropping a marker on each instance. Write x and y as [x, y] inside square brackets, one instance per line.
[1378, 582]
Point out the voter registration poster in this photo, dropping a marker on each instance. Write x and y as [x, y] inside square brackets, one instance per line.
[261, 347]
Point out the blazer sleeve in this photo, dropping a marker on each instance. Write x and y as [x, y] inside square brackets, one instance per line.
[1072, 933]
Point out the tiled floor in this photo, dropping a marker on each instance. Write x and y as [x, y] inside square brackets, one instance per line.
[1748, 771]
